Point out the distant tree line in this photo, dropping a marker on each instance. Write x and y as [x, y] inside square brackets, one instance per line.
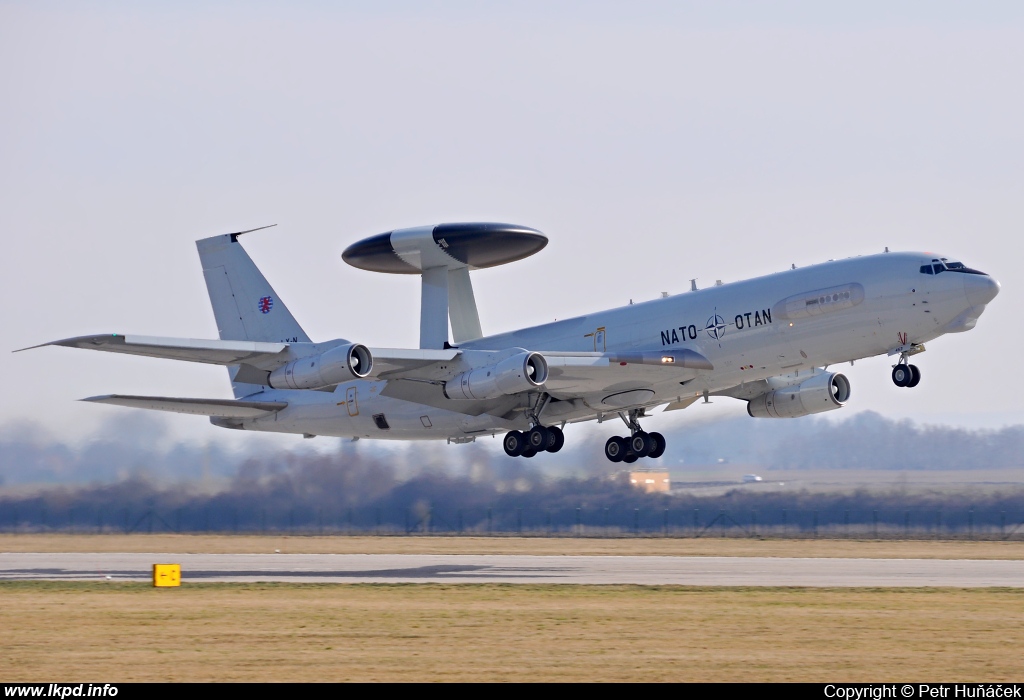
[358, 494]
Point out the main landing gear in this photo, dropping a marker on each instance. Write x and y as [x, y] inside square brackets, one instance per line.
[638, 444]
[536, 439]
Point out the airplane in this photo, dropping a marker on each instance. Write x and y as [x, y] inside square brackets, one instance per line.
[768, 341]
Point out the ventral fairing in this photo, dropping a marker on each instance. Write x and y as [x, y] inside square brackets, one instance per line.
[768, 341]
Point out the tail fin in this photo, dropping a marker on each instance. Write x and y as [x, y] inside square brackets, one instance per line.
[245, 305]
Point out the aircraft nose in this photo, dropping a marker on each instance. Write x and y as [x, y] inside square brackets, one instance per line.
[981, 289]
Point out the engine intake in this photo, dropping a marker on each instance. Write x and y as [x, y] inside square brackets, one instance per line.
[822, 392]
[523, 372]
[341, 364]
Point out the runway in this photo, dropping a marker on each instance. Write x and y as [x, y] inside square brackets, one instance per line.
[521, 569]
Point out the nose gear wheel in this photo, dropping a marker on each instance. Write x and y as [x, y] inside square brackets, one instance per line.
[906, 375]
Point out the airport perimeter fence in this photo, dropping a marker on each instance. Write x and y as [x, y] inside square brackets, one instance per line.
[582, 521]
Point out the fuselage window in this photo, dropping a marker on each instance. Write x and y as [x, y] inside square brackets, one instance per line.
[926, 270]
[823, 301]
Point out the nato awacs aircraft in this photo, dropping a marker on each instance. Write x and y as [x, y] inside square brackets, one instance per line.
[767, 341]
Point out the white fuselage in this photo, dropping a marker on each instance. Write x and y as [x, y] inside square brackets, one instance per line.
[751, 330]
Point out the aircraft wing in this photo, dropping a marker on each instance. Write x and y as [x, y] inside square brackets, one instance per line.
[222, 408]
[265, 356]
[214, 352]
[571, 375]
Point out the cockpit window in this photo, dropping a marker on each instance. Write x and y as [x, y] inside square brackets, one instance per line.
[944, 265]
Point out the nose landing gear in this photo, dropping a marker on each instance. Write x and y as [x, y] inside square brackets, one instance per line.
[638, 444]
[906, 375]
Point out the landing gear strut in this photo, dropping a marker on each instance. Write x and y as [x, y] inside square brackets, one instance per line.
[538, 438]
[638, 444]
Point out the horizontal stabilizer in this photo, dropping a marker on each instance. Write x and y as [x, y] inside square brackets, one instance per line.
[214, 352]
[222, 408]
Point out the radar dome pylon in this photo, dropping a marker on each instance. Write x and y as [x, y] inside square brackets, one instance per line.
[443, 256]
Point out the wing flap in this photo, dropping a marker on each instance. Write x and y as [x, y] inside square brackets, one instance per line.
[389, 362]
[222, 408]
[682, 403]
[579, 374]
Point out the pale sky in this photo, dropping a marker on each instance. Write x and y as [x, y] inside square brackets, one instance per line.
[651, 143]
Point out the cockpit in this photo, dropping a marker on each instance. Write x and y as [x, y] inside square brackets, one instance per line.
[939, 265]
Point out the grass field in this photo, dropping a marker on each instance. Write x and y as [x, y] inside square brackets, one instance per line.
[709, 546]
[93, 632]
[112, 631]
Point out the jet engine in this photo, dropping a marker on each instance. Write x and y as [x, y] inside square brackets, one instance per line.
[340, 364]
[822, 392]
[523, 372]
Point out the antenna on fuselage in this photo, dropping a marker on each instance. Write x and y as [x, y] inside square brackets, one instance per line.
[443, 256]
[234, 236]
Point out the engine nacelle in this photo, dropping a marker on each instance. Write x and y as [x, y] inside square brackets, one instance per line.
[822, 392]
[523, 372]
[341, 364]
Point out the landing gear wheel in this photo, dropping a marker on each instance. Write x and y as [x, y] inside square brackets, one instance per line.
[615, 449]
[901, 375]
[915, 376]
[630, 457]
[659, 445]
[559, 439]
[529, 452]
[514, 443]
[539, 438]
[641, 444]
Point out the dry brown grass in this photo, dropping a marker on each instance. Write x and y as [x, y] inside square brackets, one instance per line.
[710, 546]
[281, 632]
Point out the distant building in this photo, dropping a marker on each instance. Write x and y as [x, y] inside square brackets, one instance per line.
[751, 478]
[651, 481]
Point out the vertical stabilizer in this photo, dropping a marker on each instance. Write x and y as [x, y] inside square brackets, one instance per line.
[245, 305]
